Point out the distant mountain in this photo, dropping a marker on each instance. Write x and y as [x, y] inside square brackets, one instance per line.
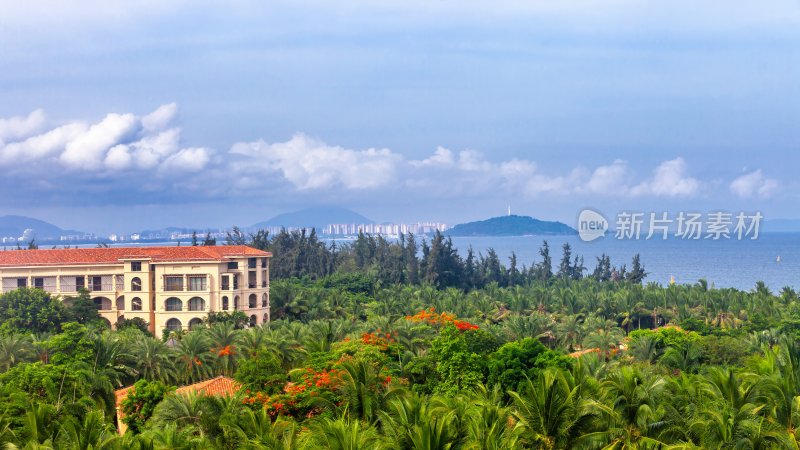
[14, 226]
[510, 226]
[314, 217]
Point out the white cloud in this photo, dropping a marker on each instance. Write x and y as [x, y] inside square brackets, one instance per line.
[187, 160]
[669, 180]
[119, 142]
[610, 179]
[309, 163]
[17, 128]
[88, 150]
[442, 157]
[754, 184]
[41, 146]
[160, 118]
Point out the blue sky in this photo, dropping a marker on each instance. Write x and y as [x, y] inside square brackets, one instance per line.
[118, 116]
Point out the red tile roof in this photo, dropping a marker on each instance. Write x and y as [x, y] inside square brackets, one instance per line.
[220, 386]
[113, 255]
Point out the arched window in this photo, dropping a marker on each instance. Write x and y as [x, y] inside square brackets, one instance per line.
[263, 300]
[236, 302]
[252, 301]
[195, 322]
[197, 304]
[136, 284]
[136, 304]
[253, 320]
[266, 318]
[121, 303]
[225, 303]
[174, 324]
[102, 303]
[173, 304]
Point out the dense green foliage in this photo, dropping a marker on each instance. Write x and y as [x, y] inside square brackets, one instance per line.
[356, 361]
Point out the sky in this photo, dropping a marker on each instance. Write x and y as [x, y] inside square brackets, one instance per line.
[130, 115]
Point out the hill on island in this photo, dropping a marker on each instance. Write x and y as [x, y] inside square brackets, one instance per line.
[512, 225]
[314, 217]
[14, 226]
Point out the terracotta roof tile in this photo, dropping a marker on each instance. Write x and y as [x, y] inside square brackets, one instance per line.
[113, 255]
[220, 386]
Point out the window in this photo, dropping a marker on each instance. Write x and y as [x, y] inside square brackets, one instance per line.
[253, 320]
[197, 304]
[121, 303]
[251, 279]
[263, 300]
[173, 304]
[252, 301]
[233, 265]
[22, 282]
[136, 284]
[173, 283]
[263, 262]
[226, 283]
[194, 323]
[225, 303]
[174, 325]
[136, 266]
[97, 283]
[236, 281]
[263, 278]
[197, 283]
[80, 283]
[251, 263]
[236, 302]
[136, 304]
[102, 303]
[38, 283]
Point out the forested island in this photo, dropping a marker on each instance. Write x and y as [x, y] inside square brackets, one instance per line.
[408, 344]
[511, 225]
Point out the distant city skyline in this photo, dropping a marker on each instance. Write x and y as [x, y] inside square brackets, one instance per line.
[141, 114]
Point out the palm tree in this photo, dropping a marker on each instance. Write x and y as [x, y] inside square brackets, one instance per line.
[193, 357]
[93, 433]
[360, 389]
[631, 416]
[152, 360]
[223, 338]
[15, 348]
[490, 424]
[341, 434]
[550, 411]
[255, 430]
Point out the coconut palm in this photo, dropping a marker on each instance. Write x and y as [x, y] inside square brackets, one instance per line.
[341, 434]
[15, 348]
[93, 433]
[255, 430]
[550, 411]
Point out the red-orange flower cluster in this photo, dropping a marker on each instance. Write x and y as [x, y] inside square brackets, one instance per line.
[226, 351]
[378, 339]
[430, 317]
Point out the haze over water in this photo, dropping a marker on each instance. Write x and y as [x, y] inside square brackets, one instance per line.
[724, 263]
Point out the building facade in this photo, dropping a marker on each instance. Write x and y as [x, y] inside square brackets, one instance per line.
[171, 288]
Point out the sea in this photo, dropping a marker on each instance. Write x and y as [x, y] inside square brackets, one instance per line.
[773, 258]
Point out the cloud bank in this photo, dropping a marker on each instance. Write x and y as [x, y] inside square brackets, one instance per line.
[145, 154]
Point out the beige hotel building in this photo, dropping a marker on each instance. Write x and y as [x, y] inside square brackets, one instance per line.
[169, 287]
